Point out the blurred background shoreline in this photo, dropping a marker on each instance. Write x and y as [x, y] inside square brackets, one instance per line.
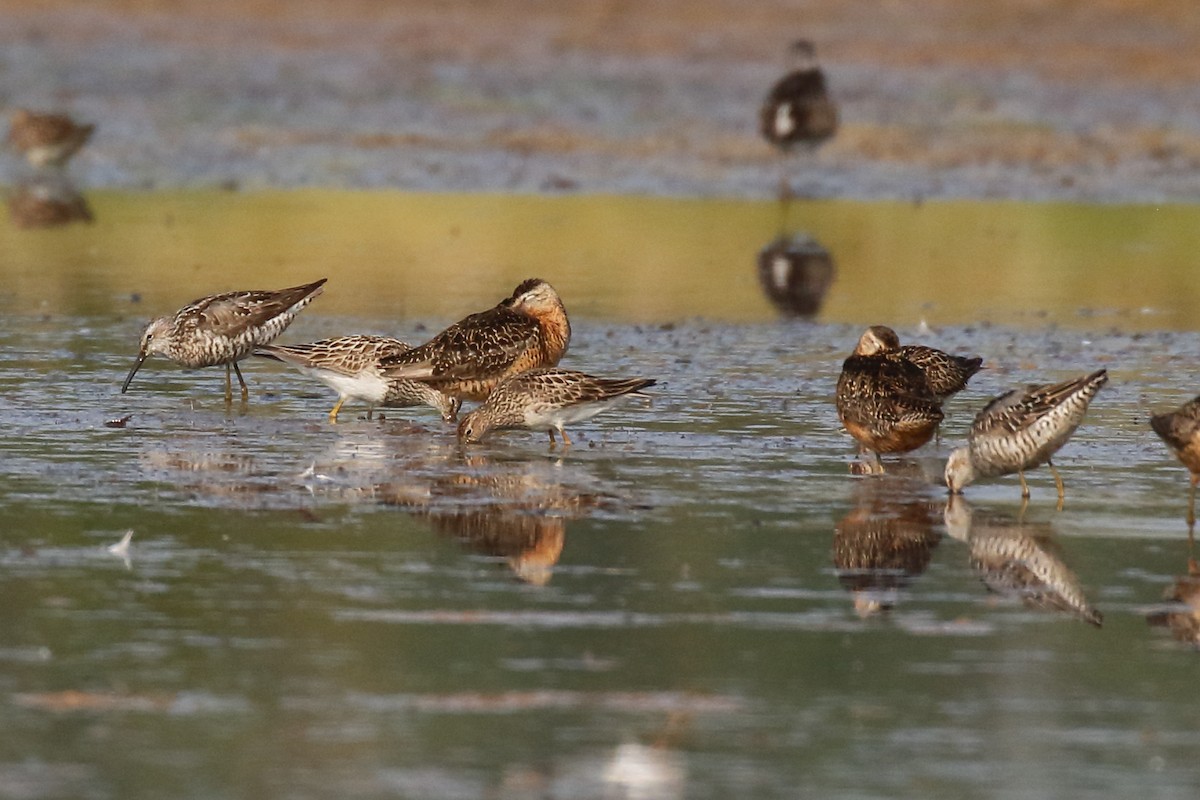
[1073, 101]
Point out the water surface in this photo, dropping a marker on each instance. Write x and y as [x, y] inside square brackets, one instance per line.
[697, 600]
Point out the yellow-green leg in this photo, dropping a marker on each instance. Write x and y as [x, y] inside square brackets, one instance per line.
[1058, 484]
[333, 412]
[566, 439]
[553, 441]
[242, 381]
[1024, 485]
[228, 386]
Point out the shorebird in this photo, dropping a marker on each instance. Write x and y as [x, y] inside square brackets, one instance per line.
[525, 331]
[46, 139]
[1180, 429]
[548, 399]
[798, 112]
[947, 374]
[223, 329]
[884, 400]
[795, 272]
[350, 366]
[1021, 430]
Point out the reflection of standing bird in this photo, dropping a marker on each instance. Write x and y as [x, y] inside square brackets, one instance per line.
[1014, 561]
[46, 202]
[798, 111]
[223, 329]
[46, 139]
[525, 331]
[795, 272]
[1182, 612]
[947, 374]
[548, 399]
[1022, 430]
[350, 366]
[885, 542]
[884, 400]
[1180, 429]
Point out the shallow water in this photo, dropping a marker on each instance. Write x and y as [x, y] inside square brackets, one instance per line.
[697, 600]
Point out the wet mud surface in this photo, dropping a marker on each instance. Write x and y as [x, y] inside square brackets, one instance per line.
[1030, 100]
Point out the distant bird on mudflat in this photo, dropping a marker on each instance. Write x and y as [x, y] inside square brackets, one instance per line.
[947, 374]
[350, 366]
[1021, 430]
[525, 331]
[223, 329]
[46, 139]
[798, 113]
[884, 400]
[795, 272]
[1180, 429]
[548, 399]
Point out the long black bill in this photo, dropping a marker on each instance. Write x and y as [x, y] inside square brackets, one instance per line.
[136, 366]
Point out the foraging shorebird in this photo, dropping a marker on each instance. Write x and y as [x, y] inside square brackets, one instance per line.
[884, 400]
[798, 112]
[548, 399]
[350, 366]
[1021, 430]
[46, 139]
[525, 331]
[223, 329]
[947, 374]
[1180, 429]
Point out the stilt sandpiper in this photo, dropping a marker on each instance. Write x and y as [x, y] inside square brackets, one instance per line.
[467, 360]
[350, 366]
[548, 399]
[46, 139]
[1180, 429]
[1021, 430]
[947, 374]
[223, 329]
[884, 400]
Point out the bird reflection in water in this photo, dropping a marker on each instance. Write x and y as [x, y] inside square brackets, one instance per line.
[1180, 609]
[795, 272]
[886, 541]
[1019, 559]
[515, 511]
[47, 201]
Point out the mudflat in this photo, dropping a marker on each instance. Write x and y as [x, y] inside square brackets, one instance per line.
[1096, 101]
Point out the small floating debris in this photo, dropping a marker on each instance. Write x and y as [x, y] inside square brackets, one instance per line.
[119, 422]
[121, 548]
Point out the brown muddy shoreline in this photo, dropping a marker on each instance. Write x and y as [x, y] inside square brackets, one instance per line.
[1032, 100]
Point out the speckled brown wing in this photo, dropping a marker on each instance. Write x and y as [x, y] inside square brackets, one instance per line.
[347, 355]
[482, 346]
[884, 390]
[946, 373]
[1022, 408]
[233, 314]
[560, 388]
